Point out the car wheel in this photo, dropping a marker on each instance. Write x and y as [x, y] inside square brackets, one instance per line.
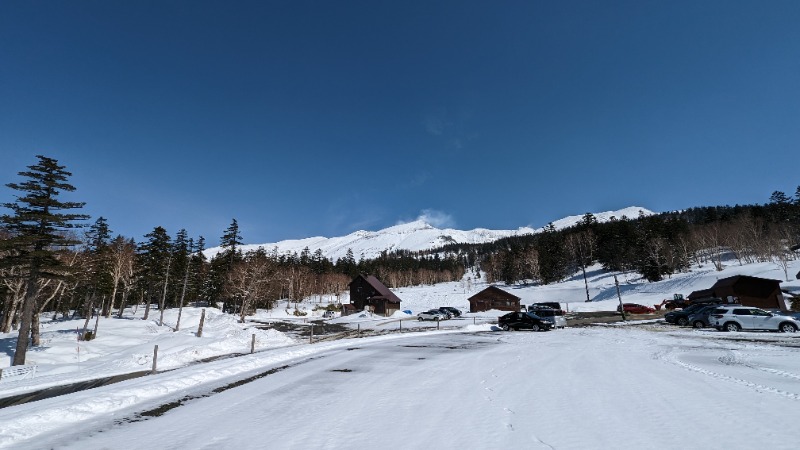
[505, 327]
[788, 327]
[420, 319]
[698, 324]
[535, 327]
[732, 326]
[683, 321]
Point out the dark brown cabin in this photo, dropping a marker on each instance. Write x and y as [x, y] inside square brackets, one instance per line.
[749, 291]
[367, 292]
[493, 298]
[701, 294]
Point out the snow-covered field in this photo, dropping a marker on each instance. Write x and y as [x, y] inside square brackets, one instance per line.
[638, 385]
[605, 387]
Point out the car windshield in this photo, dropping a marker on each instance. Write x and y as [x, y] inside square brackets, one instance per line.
[532, 315]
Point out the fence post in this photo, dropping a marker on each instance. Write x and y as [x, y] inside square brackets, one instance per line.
[437, 324]
[155, 357]
[359, 328]
[401, 326]
[311, 337]
[200, 327]
[474, 320]
[253, 344]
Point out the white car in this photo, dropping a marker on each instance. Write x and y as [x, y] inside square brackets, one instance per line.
[737, 318]
[431, 314]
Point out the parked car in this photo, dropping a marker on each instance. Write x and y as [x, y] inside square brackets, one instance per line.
[635, 308]
[737, 318]
[447, 314]
[552, 305]
[681, 316]
[702, 317]
[455, 312]
[518, 320]
[431, 314]
[554, 316]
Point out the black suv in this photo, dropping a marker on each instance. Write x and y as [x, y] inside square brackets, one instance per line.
[517, 320]
[551, 305]
[455, 312]
[682, 317]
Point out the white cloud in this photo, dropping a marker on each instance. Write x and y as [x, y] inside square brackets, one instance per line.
[435, 124]
[438, 219]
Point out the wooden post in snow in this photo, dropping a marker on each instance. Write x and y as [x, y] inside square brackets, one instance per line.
[200, 327]
[311, 338]
[401, 326]
[253, 344]
[155, 358]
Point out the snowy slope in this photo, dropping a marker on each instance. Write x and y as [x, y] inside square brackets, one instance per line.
[414, 236]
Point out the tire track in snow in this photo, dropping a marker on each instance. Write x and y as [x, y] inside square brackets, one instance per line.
[670, 357]
[743, 361]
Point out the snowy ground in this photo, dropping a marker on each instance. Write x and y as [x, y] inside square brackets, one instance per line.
[629, 386]
[603, 387]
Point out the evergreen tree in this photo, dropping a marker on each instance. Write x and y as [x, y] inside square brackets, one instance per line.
[99, 279]
[155, 258]
[231, 239]
[37, 228]
[198, 271]
[552, 255]
[180, 265]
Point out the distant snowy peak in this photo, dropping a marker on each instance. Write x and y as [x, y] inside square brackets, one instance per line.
[631, 212]
[416, 236]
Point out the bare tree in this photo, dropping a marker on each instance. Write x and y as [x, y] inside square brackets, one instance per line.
[251, 281]
[122, 254]
[582, 247]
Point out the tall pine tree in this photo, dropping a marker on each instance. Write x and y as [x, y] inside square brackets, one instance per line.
[37, 225]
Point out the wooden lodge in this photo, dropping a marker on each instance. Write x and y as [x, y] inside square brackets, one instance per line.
[493, 298]
[762, 293]
[367, 292]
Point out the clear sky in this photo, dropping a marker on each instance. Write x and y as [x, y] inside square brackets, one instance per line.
[303, 118]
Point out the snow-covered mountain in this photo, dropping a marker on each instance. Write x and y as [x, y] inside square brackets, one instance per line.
[414, 236]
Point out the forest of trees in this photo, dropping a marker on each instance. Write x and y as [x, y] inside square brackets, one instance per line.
[55, 259]
[654, 247]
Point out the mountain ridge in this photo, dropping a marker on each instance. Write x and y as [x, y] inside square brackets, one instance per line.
[416, 235]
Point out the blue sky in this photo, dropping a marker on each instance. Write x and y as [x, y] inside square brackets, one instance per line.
[306, 118]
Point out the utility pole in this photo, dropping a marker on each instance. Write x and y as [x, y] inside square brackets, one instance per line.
[621, 307]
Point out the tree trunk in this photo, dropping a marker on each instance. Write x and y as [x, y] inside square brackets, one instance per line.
[585, 282]
[36, 339]
[10, 310]
[97, 319]
[147, 306]
[183, 296]
[111, 302]
[88, 313]
[122, 303]
[27, 317]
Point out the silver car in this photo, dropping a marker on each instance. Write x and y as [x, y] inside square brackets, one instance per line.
[737, 318]
[431, 314]
[554, 316]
